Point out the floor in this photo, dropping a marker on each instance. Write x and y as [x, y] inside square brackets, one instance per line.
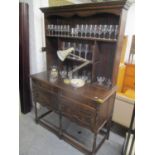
[36, 140]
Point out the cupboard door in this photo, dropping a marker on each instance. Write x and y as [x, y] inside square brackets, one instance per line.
[77, 112]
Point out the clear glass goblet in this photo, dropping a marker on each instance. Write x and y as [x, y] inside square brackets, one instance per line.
[94, 30]
[82, 30]
[116, 32]
[85, 30]
[99, 31]
[77, 27]
[49, 29]
[86, 50]
[100, 80]
[110, 30]
[105, 30]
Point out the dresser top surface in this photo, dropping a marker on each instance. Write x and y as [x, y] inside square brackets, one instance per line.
[90, 91]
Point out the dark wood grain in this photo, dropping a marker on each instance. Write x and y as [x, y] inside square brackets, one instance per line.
[90, 106]
[24, 68]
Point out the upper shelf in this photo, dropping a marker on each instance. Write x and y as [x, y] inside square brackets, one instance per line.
[83, 38]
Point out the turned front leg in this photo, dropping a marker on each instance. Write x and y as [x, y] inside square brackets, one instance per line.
[94, 144]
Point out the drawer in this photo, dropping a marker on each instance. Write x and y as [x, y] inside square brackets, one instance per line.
[45, 98]
[45, 86]
[77, 112]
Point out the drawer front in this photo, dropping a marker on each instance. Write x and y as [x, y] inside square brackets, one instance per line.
[45, 86]
[77, 112]
[45, 97]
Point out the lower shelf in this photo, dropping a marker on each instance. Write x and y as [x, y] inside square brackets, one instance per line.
[79, 137]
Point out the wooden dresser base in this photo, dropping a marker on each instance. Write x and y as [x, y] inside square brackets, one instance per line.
[62, 134]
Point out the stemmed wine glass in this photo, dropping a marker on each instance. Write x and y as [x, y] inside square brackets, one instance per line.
[115, 32]
[90, 30]
[67, 30]
[99, 31]
[108, 83]
[86, 50]
[95, 30]
[55, 30]
[110, 30]
[82, 30]
[58, 29]
[63, 72]
[105, 30]
[49, 29]
[72, 32]
[100, 79]
[61, 30]
[64, 30]
[85, 30]
[77, 29]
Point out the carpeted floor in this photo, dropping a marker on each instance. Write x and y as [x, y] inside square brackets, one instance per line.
[36, 140]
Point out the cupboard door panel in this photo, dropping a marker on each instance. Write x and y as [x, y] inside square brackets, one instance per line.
[77, 112]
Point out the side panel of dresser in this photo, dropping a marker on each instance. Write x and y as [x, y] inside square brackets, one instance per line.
[105, 111]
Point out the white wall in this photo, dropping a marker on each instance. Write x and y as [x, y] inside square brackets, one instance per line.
[130, 28]
[36, 34]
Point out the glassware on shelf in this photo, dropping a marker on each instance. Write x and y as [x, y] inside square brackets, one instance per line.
[74, 46]
[68, 45]
[105, 30]
[84, 75]
[94, 30]
[110, 30]
[100, 80]
[75, 74]
[90, 30]
[83, 50]
[64, 30]
[116, 32]
[77, 27]
[108, 83]
[72, 32]
[89, 77]
[49, 29]
[58, 30]
[85, 30]
[68, 30]
[82, 30]
[52, 28]
[69, 75]
[63, 72]
[99, 31]
[61, 30]
[86, 50]
[53, 74]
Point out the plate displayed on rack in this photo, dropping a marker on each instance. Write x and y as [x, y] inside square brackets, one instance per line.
[77, 83]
